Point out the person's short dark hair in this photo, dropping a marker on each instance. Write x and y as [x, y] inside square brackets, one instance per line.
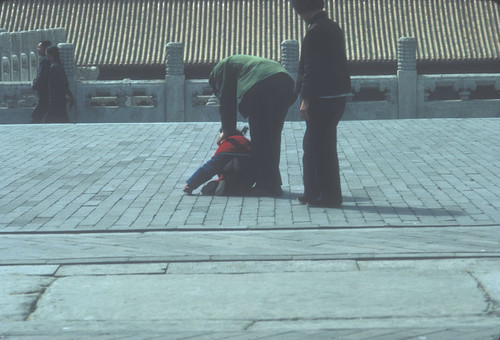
[302, 6]
[45, 44]
[54, 52]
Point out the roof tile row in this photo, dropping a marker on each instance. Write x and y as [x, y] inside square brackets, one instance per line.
[135, 32]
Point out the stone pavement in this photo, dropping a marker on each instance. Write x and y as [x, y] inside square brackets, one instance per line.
[97, 239]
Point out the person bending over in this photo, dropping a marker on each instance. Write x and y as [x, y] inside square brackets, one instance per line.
[262, 91]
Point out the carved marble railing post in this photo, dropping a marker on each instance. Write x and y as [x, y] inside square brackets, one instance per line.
[174, 83]
[67, 52]
[30, 41]
[290, 56]
[23, 56]
[5, 69]
[290, 61]
[407, 78]
[59, 35]
[49, 35]
[27, 44]
[5, 47]
[15, 68]
[44, 34]
[15, 52]
[33, 64]
[15, 38]
[24, 67]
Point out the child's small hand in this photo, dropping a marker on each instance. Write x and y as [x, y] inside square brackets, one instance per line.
[220, 138]
[304, 109]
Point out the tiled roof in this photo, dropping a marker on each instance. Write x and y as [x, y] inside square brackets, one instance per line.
[134, 32]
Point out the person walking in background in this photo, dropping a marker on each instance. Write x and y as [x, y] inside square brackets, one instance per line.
[59, 93]
[262, 91]
[41, 83]
[323, 83]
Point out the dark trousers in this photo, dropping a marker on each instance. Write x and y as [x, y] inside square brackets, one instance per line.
[57, 113]
[321, 163]
[40, 110]
[236, 170]
[212, 167]
[267, 105]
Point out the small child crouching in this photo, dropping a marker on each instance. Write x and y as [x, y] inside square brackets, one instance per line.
[232, 162]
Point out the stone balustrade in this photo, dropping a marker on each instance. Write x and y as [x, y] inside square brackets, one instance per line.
[19, 50]
[120, 101]
[176, 99]
[459, 95]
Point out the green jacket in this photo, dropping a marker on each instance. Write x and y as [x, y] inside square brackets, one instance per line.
[233, 77]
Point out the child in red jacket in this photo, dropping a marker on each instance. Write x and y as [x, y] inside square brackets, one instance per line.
[232, 162]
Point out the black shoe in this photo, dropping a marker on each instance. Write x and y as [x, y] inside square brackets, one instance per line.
[303, 199]
[278, 192]
[188, 190]
[221, 188]
[210, 188]
[323, 203]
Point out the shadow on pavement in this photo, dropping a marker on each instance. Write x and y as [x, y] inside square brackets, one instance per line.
[386, 210]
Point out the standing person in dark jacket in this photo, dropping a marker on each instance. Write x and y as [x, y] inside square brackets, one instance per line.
[262, 90]
[323, 83]
[59, 93]
[41, 84]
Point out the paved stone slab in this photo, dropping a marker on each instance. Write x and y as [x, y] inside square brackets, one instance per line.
[465, 265]
[130, 176]
[271, 299]
[28, 270]
[246, 267]
[265, 296]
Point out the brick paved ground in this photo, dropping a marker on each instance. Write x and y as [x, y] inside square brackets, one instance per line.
[130, 176]
[97, 239]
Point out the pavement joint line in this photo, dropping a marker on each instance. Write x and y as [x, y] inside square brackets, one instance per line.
[224, 229]
[34, 304]
[492, 305]
[381, 317]
[260, 258]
